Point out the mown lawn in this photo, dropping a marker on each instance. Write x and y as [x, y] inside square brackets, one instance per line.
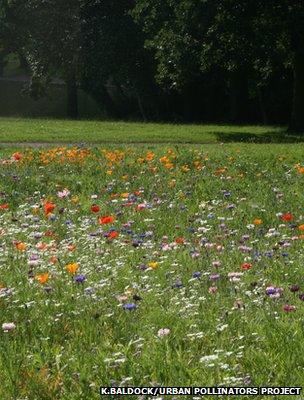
[150, 265]
[47, 130]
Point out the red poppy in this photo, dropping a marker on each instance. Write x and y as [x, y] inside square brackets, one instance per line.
[180, 240]
[287, 217]
[246, 266]
[48, 207]
[4, 206]
[106, 219]
[113, 235]
[95, 208]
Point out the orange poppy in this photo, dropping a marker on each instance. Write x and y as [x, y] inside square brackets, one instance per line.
[20, 246]
[113, 235]
[106, 219]
[53, 259]
[17, 156]
[42, 278]
[72, 268]
[48, 207]
[41, 246]
[4, 206]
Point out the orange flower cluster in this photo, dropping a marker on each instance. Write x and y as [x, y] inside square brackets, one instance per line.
[62, 155]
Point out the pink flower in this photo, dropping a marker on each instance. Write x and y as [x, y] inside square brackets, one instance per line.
[141, 206]
[216, 264]
[63, 194]
[163, 332]
[212, 289]
[8, 326]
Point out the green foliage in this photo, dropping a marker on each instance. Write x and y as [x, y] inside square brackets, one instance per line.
[113, 50]
[153, 55]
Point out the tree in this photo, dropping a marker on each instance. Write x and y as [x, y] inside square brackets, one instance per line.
[113, 52]
[51, 41]
[191, 37]
[279, 33]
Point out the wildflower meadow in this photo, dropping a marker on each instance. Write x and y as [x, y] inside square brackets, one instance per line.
[149, 265]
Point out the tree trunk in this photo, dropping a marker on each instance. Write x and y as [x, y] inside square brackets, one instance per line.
[140, 106]
[239, 96]
[72, 96]
[262, 106]
[1, 64]
[101, 95]
[297, 117]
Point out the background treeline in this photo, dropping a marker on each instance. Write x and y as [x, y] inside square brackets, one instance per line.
[186, 60]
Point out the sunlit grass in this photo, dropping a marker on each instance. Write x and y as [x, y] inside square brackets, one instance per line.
[202, 233]
[46, 130]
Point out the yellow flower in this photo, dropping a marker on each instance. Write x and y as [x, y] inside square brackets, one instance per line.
[35, 210]
[72, 268]
[153, 264]
[75, 199]
[198, 165]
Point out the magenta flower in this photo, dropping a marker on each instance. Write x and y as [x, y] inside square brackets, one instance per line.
[289, 308]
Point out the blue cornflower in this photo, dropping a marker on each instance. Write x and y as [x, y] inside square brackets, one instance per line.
[129, 306]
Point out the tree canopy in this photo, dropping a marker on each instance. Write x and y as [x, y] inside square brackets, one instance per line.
[203, 60]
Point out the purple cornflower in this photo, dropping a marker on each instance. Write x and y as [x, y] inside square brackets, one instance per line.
[270, 290]
[129, 306]
[80, 278]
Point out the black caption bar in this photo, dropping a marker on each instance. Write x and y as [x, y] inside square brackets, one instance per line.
[200, 391]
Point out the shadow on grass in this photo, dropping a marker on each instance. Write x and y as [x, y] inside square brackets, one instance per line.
[266, 137]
